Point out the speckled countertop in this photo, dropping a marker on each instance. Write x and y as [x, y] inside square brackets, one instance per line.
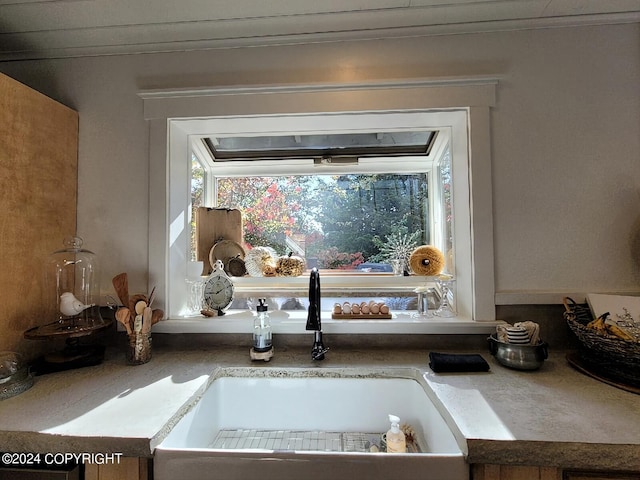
[554, 416]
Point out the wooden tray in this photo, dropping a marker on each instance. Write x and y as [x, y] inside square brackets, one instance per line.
[576, 362]
[361, 316]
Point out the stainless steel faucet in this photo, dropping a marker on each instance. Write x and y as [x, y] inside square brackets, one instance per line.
[313, 317]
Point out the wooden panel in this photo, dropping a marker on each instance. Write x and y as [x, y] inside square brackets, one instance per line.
[485, 472]
[550, 473]
[520, 472]
[18, 473]
[91, 472]
[509, 472]
[213, 224]
[586, 475]
[127, 469]
[38, 194]
[514, 472]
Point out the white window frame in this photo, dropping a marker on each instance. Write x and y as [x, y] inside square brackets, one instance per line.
[177, 117]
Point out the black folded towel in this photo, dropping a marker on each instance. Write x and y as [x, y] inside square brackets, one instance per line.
[456, 362]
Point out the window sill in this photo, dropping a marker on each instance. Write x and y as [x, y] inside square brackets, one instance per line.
[241, 321]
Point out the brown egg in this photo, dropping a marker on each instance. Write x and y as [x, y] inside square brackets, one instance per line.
[365, 309]
[384, 308]
[375, 308]
[355, 308]
[337, 308]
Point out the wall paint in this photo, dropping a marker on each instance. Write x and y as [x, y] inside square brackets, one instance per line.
[565, 139]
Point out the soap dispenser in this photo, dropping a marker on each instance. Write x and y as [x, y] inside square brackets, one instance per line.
[262, 345]
[396, 443]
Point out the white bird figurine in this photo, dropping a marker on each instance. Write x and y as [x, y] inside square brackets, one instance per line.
[71, 306]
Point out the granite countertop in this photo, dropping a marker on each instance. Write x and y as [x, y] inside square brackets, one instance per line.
[555, 416]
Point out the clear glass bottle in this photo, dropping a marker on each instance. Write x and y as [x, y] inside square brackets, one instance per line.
[447, 306]
[262, 328]
[195, 289]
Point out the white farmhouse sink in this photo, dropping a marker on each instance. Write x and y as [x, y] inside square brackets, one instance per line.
[308, 423]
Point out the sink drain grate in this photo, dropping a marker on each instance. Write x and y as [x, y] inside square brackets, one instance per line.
[295, 440]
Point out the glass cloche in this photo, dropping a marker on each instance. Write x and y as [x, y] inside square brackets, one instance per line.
[72, 309]
[72, 292]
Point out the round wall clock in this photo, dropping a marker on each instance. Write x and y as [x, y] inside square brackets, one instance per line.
[218, 290]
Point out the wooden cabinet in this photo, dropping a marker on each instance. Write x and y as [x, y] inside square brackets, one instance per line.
[514, 472]
[28, 473]
[127, 469]
[525, 472]
[38, 195]
[588, 475]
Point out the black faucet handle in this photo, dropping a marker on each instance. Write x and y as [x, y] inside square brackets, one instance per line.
[318, 354]
[318, 350]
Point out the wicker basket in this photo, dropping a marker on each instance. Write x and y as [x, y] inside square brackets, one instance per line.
[607, 354]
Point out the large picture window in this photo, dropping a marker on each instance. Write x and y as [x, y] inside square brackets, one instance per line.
[352, 204]
[341, 208]
[348, 222]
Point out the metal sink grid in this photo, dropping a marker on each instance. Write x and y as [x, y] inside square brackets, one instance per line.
[295, 440]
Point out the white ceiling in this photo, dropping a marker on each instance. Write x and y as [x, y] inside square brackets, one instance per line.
[32, 29]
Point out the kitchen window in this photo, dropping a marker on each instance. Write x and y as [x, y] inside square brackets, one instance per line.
[353, 202]
[456, 134]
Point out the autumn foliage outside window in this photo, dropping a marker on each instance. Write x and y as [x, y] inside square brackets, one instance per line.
[334, 221]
